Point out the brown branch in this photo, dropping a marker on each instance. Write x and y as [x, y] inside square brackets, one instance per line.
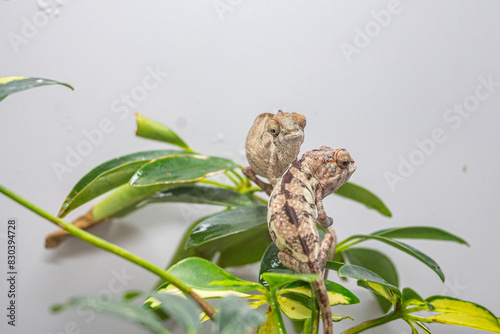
[84, 222]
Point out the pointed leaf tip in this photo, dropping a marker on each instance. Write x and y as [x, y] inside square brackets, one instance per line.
[147, 128]
[10, 85]
[363, 196]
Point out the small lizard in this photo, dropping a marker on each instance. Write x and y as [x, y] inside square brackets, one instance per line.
[292, 218]
[272, 144]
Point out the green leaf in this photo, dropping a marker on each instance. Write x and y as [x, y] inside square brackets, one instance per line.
[377, 262]
[57, 308]
[363, 196]
[405, 248]
[204, 275]
[184, 311]
[370, 280]
[123, 200]
[411, 297]
[413, 329]
[232, 254]
[123, 309]
[10, 85]
[277, 280]
[235, 317]
[295, 299]
[180, 169]
[334, 265]
[202, 195]
[154, 303]
[420, 232]
[150, 129]
[132, 294]
[296, 310]
[229, 248]
[109, 175]
[271, 263]
[337, 294]
[424, 327]
[456, 312]
[227, 223]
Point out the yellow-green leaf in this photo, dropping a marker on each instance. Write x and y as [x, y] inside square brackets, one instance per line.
[205, 294]
[456, 312]
[270, 326]
[337, 294]
[295, 310]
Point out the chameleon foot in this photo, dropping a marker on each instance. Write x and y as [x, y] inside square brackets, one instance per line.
[266, 187]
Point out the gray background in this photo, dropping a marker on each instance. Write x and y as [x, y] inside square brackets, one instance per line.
[225, 67]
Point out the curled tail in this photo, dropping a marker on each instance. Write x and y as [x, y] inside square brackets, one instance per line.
[324, 305]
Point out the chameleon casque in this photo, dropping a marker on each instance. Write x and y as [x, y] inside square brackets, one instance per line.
[292, 216]
[272, 144]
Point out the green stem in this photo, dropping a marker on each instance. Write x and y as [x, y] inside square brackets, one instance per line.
[373, 323]
[343, 245]
[237, 175]
[252, 189]
[314, 315]
[123, 198]
[103, 244]
[218, 184]
[236, 183]
[276, 312]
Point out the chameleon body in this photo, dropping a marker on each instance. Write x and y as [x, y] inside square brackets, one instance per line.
[292, 215]
[272, 144]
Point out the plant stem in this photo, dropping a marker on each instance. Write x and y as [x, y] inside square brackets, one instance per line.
[236, 183]
[273, 303]
[373, 323]
[103, 244]
[252, 189]
[218, 184]
[343, 245]
[314, 315]
[237, 175]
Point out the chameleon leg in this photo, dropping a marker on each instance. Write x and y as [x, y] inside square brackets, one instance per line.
[290, 262]
[266, 187]
[323, 219]
[324, 248]
[326, 222]
[332, 233]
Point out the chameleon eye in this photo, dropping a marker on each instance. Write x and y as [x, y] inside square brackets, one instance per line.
[343, 159]
[273, 128]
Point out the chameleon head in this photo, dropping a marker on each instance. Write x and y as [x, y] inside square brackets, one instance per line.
[332, 167]
[287, 129]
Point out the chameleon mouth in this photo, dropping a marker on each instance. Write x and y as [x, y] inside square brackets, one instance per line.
[294, 136]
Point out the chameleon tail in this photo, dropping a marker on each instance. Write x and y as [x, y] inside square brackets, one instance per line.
[324, 305]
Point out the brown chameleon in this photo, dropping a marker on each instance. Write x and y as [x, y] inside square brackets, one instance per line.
[272, 144]
[292, 216]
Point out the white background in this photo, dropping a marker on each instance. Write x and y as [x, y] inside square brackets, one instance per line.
[226, 67]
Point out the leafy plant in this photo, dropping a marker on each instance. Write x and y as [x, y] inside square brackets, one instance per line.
[214, 242]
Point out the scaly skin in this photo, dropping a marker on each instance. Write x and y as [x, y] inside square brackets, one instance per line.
[292, 215]
[272, 144]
